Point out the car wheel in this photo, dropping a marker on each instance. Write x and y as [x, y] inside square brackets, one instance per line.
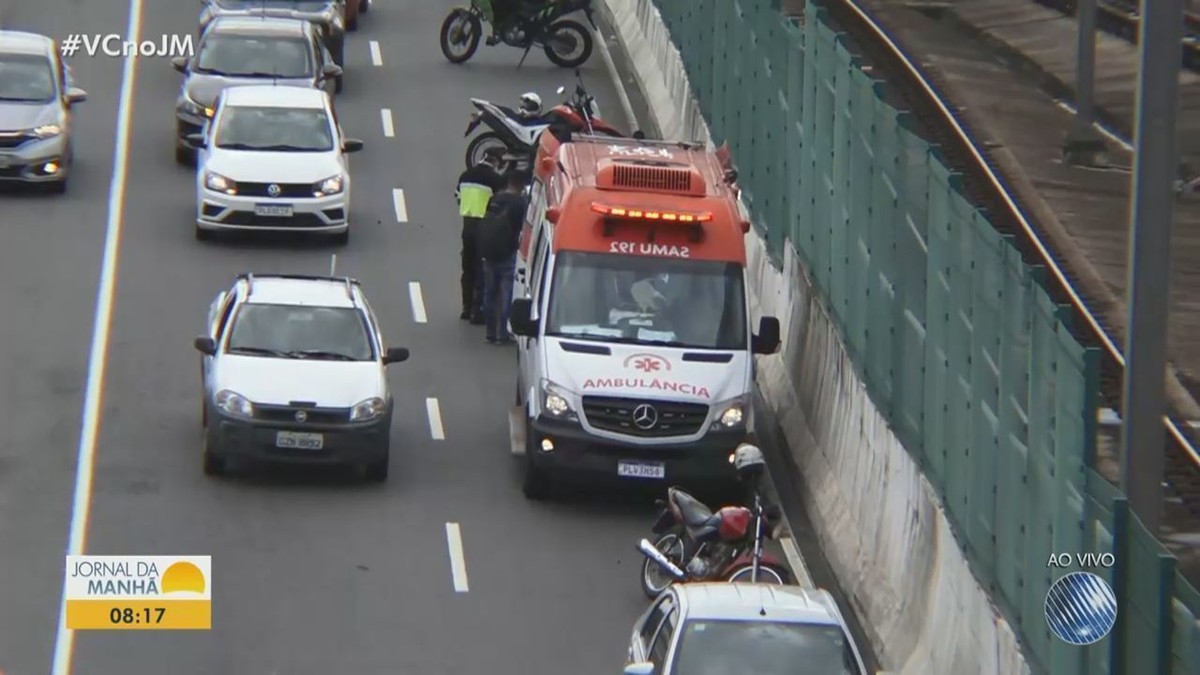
[213, 465]
[342, 238]
[57, 187]
[352, 19]
[183, 156]
[202, 234]
[377, 472]
[534, 481]
[364, 6]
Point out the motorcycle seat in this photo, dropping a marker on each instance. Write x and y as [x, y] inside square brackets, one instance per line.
[695, 514]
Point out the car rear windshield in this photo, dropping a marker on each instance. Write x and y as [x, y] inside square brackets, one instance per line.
[763, 648]
[254, 56]
[294, 331]
[26, 77]
[298, 5]
[274, 129]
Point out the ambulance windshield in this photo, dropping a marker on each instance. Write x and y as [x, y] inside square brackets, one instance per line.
[697, 304]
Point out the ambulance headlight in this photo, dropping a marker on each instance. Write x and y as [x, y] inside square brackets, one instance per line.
[732, 414]
[556, 402]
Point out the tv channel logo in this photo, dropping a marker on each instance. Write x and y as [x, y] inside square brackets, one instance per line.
[139, 592]
[1081, 608]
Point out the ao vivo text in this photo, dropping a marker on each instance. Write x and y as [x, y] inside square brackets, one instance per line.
[1083, 560]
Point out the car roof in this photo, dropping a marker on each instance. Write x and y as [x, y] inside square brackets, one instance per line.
[259, 25]
[271, 96]
[21, 42]
[748, 602]
[309, 291]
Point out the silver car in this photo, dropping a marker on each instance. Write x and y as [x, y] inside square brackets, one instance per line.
[239, 51]
[36, 95]
[721, 628]
[328, 15]
[294, 370]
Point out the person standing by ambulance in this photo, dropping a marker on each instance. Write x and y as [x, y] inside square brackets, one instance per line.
[473, 192]
[499, 237]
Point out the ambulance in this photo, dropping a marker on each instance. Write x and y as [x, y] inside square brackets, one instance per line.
[634, 342]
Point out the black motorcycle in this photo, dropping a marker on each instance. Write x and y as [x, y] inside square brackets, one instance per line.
[567, 43]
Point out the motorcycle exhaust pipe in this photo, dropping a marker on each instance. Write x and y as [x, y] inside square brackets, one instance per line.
[663, 561]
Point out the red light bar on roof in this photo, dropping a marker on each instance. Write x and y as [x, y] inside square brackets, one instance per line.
[651, 214]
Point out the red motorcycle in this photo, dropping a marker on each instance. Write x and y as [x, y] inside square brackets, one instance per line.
[695, 544]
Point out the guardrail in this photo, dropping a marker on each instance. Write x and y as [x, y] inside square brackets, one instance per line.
[961, 343]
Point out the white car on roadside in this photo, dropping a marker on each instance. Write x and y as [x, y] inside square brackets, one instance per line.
[273, 158]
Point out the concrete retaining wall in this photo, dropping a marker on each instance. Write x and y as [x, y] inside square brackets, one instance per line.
[878, 520]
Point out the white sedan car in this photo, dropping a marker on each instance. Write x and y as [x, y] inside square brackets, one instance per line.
[273, 159]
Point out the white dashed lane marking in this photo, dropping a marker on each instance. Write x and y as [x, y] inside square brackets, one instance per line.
[376, 55]
[418, 302]
[399, 205]
[434, 411]
[458, 562]
[385, 116]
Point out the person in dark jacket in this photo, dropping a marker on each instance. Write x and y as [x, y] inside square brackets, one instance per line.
[475, 189]
[499, 237]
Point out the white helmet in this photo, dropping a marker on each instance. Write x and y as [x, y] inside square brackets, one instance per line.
[748, 459]
[531, 104]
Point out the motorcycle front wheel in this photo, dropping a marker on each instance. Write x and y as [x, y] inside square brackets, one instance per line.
[655, 579]
[460, 35]
[568, 44]
[767, 574]
[479, 146]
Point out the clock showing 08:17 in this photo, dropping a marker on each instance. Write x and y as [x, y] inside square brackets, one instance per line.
[139, 592]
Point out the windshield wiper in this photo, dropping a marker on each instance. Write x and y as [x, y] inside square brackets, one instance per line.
[213, 71]
[259, 350]
[320, 354]
[259, 73]
[589, 337]
[284, 147]
[238, 146]
[23, 99]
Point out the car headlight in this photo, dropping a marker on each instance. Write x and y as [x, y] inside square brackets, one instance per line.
[218, 183]
[732, 414]
[368, 410]
[191, 107]
[330, 186]
[233, 403]
[47, 131]
[556, 402]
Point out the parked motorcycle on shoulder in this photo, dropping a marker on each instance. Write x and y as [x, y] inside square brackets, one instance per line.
[567, 43]
[693, 543]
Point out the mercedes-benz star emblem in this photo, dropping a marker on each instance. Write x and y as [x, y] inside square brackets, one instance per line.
[645, 416]
[274, 190]
[301, 416]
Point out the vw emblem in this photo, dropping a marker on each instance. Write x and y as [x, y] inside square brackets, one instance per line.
[645, 417]
[274, 190]
[301, 416]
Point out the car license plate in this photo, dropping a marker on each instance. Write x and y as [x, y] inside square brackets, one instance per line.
[272, 210]
[298, 440]
[641, 469]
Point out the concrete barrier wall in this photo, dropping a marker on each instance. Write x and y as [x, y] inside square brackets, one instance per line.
[878, 519]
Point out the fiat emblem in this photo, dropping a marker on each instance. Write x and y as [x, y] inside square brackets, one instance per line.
[301, 416]
[274, 190]
[645, 417]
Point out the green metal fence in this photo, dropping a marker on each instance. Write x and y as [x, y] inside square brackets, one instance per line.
[958, 342]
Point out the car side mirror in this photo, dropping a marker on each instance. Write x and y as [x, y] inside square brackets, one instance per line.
[180, 64]
[351, 145]
[332, 70]
[767, 339]
[205, 345]
[195, 140]
[643, 668]
[395, 355]
[521, 318]
[76, 95]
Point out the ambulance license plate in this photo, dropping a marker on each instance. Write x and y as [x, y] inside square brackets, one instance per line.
[641, 469]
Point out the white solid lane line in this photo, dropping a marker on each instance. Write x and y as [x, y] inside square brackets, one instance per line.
[796, 561]
[434, 411]
[376, 55]
[385, 116]
[418, 302]
[458, 562]
[399, 205]
[85, 462]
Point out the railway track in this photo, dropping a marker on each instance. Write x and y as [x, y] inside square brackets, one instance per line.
[912, 88]
[1121, 17]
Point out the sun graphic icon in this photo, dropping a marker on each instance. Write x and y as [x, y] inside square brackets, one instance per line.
[182, 576]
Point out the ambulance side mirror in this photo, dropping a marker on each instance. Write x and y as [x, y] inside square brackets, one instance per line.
[766, 341]
[520, 316]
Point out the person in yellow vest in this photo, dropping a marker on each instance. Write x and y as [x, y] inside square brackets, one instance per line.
[475, 189]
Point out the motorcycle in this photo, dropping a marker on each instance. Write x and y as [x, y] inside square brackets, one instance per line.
[559, 38]
[695, 544]
[519, 136]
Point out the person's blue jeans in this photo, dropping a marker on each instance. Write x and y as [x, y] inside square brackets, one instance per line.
[497, 296]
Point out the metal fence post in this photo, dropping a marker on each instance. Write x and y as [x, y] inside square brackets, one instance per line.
[1083, 145]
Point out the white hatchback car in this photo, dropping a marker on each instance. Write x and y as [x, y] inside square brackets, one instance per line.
[273, 158]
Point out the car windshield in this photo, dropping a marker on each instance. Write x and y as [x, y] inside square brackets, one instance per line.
[300, 332]
[698, 304]
[26, 77]
[274, 129]
[763, 648]
[254, 56]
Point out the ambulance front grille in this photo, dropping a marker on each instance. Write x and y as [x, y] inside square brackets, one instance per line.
[622, 415]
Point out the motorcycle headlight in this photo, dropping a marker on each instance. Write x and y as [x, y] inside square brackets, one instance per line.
[233, 403]
[47, 131]
[556, 402]
[368, 410]
[218, 183]
[330, 186]
[732, 414]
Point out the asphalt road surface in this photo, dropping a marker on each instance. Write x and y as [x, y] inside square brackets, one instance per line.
[311, 574]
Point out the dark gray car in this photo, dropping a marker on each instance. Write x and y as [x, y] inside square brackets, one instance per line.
[328, 15]
[240, 50]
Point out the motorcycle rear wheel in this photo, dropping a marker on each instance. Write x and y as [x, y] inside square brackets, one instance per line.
[559, 35]
[655, 580]
[767, 574]
[480, 144]
[461, 27]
